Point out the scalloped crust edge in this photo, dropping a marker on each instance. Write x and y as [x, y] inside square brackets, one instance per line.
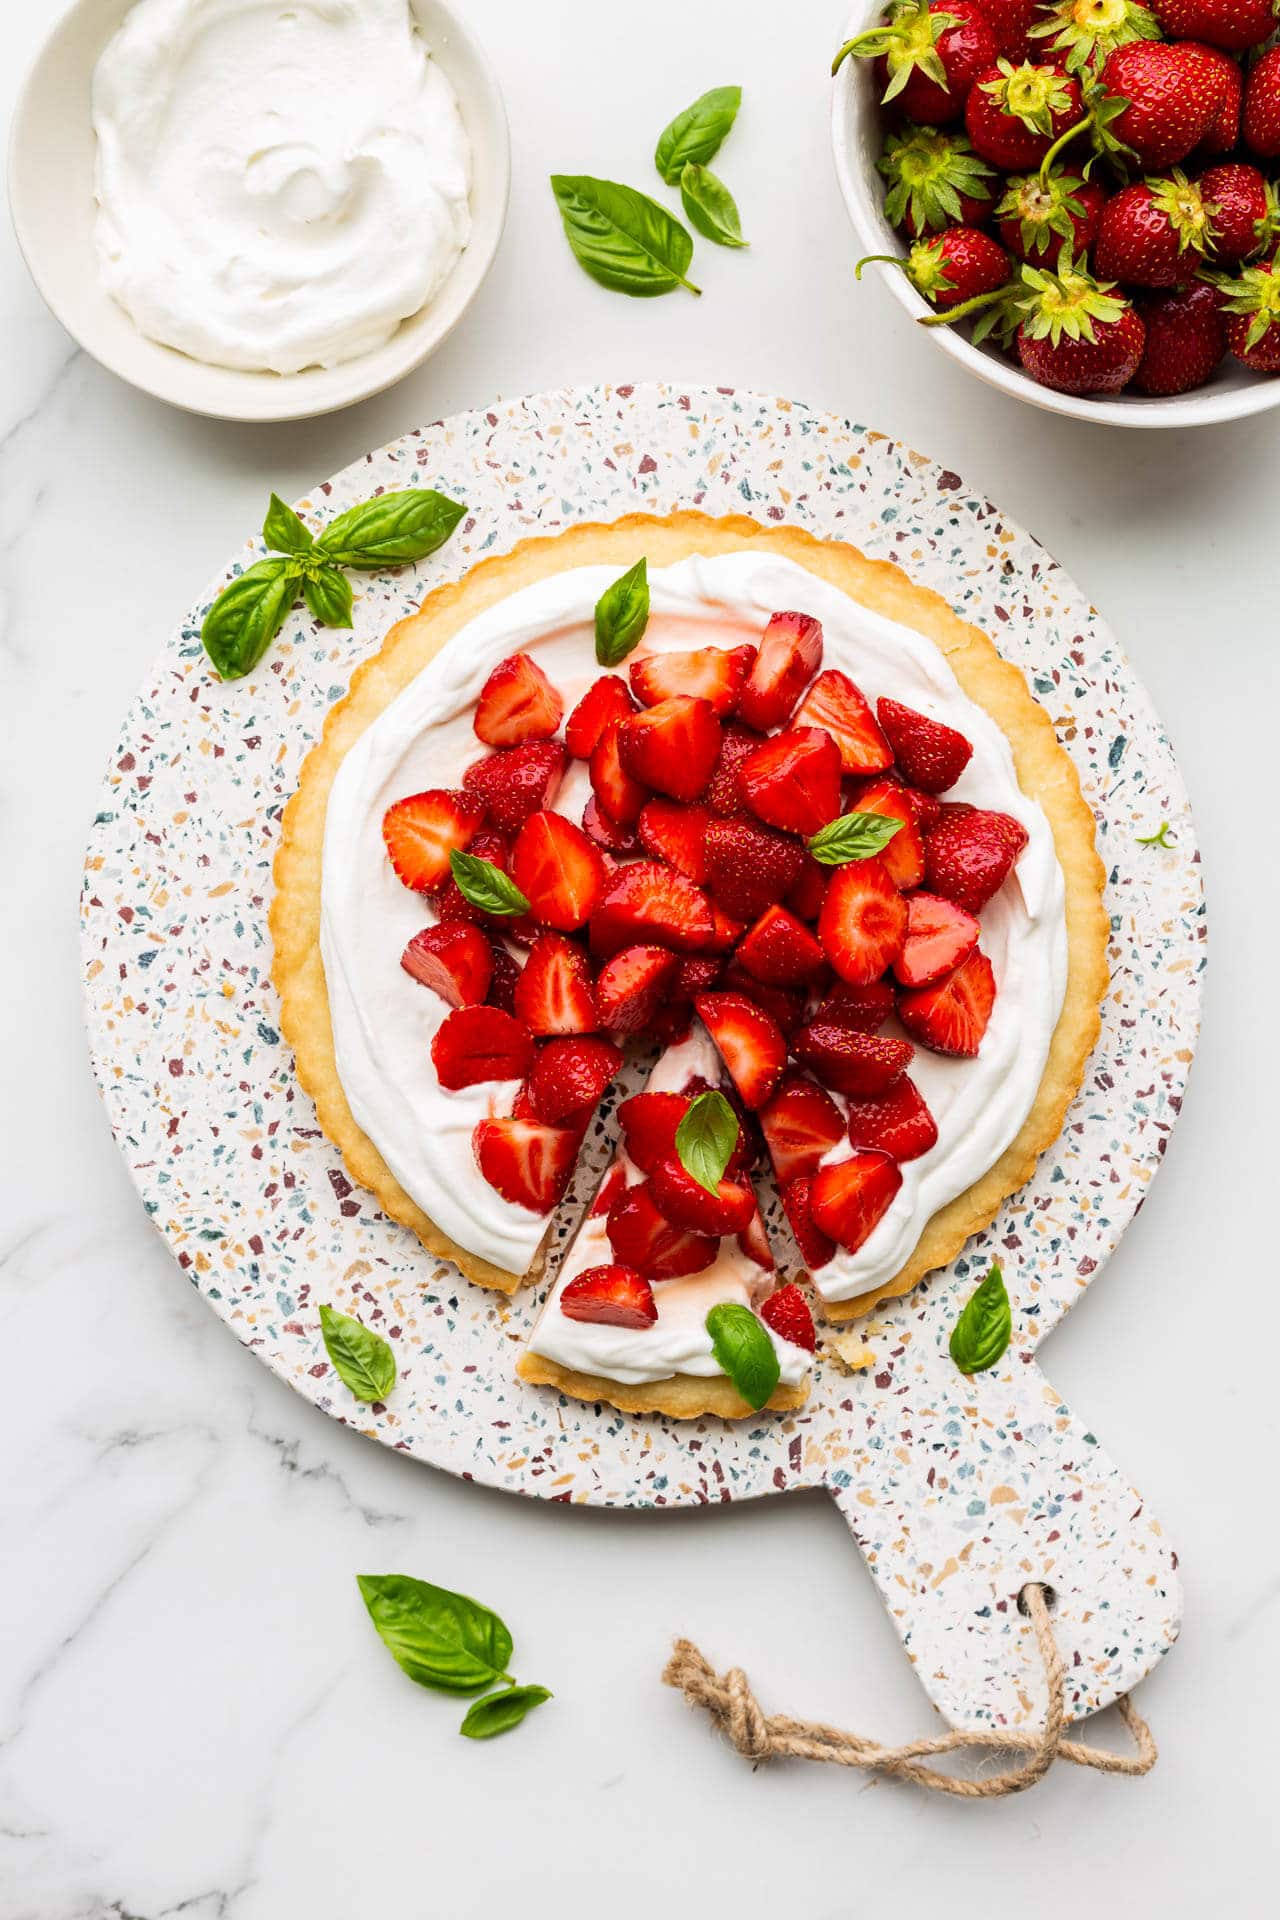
[684, 1396]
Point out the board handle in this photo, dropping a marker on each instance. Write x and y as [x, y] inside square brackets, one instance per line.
[967, 1488]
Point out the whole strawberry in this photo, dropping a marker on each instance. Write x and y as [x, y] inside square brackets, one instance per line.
[1014, 114]
[1036, 216]
[953, 267]
[1223, 131]
[1246, 219]
[1173, 94]
[927, 55]
[1251, 304]
[1011, 22]
[1261, 122]
[1076, 334]
[935, 180]
[1154, 233]
[1082, 33]
[1186, 339]
[1233, 24]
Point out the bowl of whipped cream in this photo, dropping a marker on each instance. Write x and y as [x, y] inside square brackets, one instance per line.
[259, 209]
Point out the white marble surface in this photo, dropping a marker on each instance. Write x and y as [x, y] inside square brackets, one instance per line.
[194, 1715]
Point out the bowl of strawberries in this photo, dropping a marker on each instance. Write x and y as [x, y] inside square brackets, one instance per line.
[1076, 198]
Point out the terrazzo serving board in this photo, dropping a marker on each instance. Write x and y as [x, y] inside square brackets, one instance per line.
[957, 1490]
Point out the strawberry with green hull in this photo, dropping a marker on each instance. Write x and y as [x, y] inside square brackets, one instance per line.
[1011, 22]
[952, 268]
[1223, 132]
[1235, 25]
[1174, 95]
[1155, 233]
[1260, 124]
[1036, 216]
[1251, 310]
[1083, 33]
[1186, 339]
[926, 56]
[1077, 334]
[1246, 217]
[1015, 114]
[935, 180]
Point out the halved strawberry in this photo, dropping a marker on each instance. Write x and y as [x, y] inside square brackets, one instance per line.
[753, 1241]
[865, 1009]
[816, 1249]
[790, 654]
[785, 1005]
[671, 747]
[904, 856]
[518, 782]
[724, 791]
[454, 961]
[859, 1064]
[612, 1188]
[709, 673]
[725, 931]
[675, 831]
[645, 903]
[930, 755]
[851, 1197]
[969, 856]
[643, 1238]
[517, 703]
[649, 1122]
[928, 808]
[834, 702]
[897, 1122]
[786, 1313]
[527, 1163]
[863, 921]
[780, 950]
[421, 832]
[686, 1203]
[951, 1016]
[559, 872]
[808, 890]
[609, 1296]
[607, 833]
[750, 1043]
[793, 780]
[632, 986]
[605, 700]
[620, 796]
[553, 991]
[749, 867]
[504, 981]
[801, 1123]
[480, 1043]
[569, 1076]
[939, 936]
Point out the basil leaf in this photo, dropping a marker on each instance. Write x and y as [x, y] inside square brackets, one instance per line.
[246, 616]
[485, 885]
[392, 530]
[710, 206]
[622, 614]
[985, 1326]
[706, 1138]
[361, 1358]
[698, 133]
[499, 1712]
[854, 836]
[283, 530]
[744, 1350]
[441, 1639]
[328, 594]
[622, 238]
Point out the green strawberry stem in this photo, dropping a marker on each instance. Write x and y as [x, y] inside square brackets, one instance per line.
[978, 304]
[879, 259]
[864, 46]
[1063, 140]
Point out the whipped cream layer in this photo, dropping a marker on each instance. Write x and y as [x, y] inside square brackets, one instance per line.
[383, 1021]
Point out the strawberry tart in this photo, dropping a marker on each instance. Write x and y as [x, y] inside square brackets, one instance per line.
[731, 794]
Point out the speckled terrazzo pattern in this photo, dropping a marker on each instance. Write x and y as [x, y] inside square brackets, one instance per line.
[957, 1491]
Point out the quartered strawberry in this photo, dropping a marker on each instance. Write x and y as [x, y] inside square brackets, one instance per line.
[858, 1064]
[709, 673]
[558, 870]
[640, 1236]
[649, 1122]
[725, 931]
[939, 936]
[527, 1163]
[672, 747]
[780, 950]
[951, 1017]
[609, 1296]
[607, 833]
[753, 1241]
[750, 1043]
[816, 1249]
[612, 1188]
[517, 782]
[929, 755]
[865, 1009]
[696, 973]
[553, 991]
[790, 654]
[569, 1076]
[897, 1122]
[834, 702]
[808, 890]
[801, 1123]
[673, 831]
[454, 961]
[904, 856]
[686, 1203]
[785, 1005]
[618, 793]
[850, 1198]
[968, 857]
[632, 986]
[793, 780]
[421, 832]
[786, 1313]
[749, 866]
[480, 1043]
[645, 903]
[863, 921]
[724, 793]
[504, 981]
[928, 808]
[605, 700]
[517, 703]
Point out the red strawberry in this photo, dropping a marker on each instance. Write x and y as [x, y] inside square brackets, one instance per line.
[1233, 24]
[790, 654]
[935, 180]
[939, 936]
[686, 1203]
[480, 1043]
[454, 961]
[816, 1249]
[1223, 132]
[786, 1313]
[1245, 216]
[569, 1076]
[835, 703]
[1013, 114]
[969, 857]
[793, 780]
[780, 950]
[675, 832]
[517, 783]
[904, 856]
[714, 674]
[1261, 123]
[1251, 306]
[1174, 94]
[558, 870]
[956, 265]
[553, 992]
[1011, 22]
[643, 1238]
[1078, 35]
[632, 986]
[696, 973]
[749, 867]
[724, 794]
[808, 890]
[801, 1123]
[930, 756]
[618, 793]
[859, 1064]
[605, 700]
[865, 1009]
[1154, 233]
[725, 932]
[1186, 339]
[671, 747]
[527, 1163]
[785, 1006]
[863, 921]
[1077, 335]
[926, 56]
[753, 1241]
[649, 1122]
[1036, 217]
[749, 1042]
[951, 1016]
[609, 1296]
[850, 1198]
[506, 978]
[645, 903]
[517, 703]
[607, 833]
[422, 831]
[612, 1188]
[897, 1122]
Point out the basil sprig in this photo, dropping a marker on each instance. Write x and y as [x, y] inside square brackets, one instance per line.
[486, 886]
[361, 1358]
[710, 207]
[246, 616]
[622, 614]
[706, 1138]
[622, 238]
[985, 1326]
[744, 1350]
[451, 1643]
[696, 135]
[854, 836]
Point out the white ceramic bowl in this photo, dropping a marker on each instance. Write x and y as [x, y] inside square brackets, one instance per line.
[51, 165]
[856, 138]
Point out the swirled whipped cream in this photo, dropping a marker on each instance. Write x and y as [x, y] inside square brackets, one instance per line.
[280, 182]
